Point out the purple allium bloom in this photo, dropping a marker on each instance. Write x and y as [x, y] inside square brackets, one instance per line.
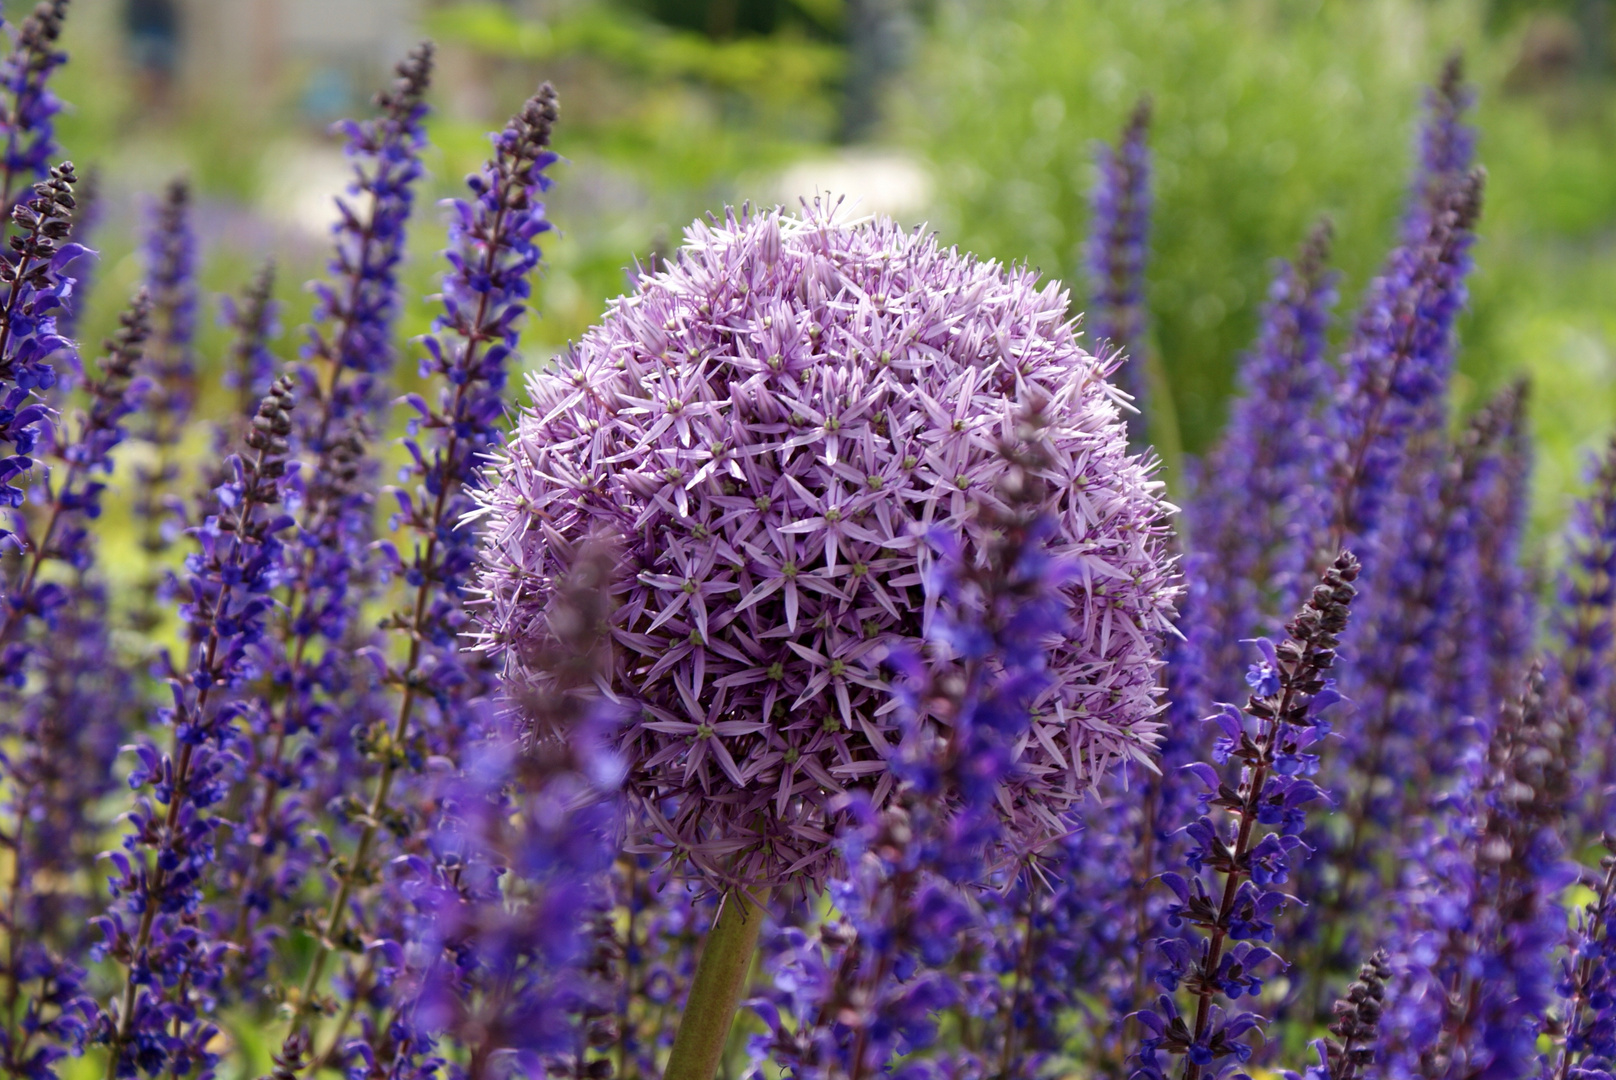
[35, 288]
[351, 343]
[1261, 490]
[1588, 984]
[1260, 782]
[27, 105]
[172, 962]
[1478, 918]
[768, 424]
[1119, 231]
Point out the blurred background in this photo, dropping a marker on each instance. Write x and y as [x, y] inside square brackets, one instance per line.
[978, 117]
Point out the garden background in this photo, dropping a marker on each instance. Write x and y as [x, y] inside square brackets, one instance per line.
[977, 117]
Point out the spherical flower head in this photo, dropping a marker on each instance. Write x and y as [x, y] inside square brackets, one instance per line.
[769, 426]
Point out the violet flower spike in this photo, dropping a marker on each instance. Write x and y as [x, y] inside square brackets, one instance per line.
[86, 220]
[33, 289]
[1587, 1043]
[1397, 366]
[1266, 476]
[27, 105]
[492, 254]
[163, 865]
[71, 493]
[1216, 953]
[350, 349]
[254, 318]
[170, 254]
[1479, 920]
[1119, 231]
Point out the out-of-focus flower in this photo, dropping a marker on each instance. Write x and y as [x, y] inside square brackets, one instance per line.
[1119, 235]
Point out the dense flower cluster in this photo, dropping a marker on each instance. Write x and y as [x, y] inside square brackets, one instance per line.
[820, 596]
[767, 422]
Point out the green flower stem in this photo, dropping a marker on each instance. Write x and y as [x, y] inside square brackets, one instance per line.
[721, 978]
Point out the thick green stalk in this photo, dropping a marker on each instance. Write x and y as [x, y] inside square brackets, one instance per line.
[726, 960]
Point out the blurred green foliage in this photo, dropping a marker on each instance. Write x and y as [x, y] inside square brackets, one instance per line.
[1270, 113]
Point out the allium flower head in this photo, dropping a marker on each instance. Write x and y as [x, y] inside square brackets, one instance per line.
[770, 425]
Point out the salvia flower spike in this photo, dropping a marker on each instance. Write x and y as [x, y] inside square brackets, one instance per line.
[1217, 952]
[27, 106]
[33, 290]
[1119, 234]
[493, 251]
[162, 866]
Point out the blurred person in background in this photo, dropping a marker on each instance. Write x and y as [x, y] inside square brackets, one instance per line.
[152, 40]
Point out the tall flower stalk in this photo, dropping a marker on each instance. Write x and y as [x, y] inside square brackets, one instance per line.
[27, 105]
[1119, 233]
[492, 253]
[1215, 956]
[167, 962]
[170, 253]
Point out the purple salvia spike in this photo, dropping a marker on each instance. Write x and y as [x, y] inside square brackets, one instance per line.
[254, 320]
[1264, 481]
[906, 893]
[1408, 666]
[170, 253]
[1117, 249]
[1477, 920]
[503, 915]
[70, 495]
[1587, 984]
[66, 732]
[62, 710]
[1397, 366]
[1507, 604]
[27, 105]
[772, 491]
[1584, 621]
[168, 960]
[350, 352]
[33, 289]
[493, 252]
[1349, 1051]
[1230, 897]
[1447, 146]
[314, 697]
[86, 218]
